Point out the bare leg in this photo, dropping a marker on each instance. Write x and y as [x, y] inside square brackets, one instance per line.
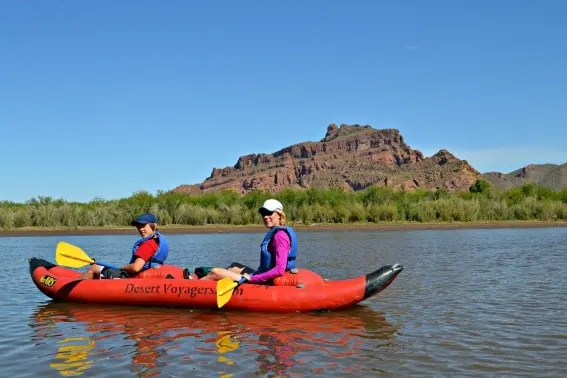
[217, 274]
[93, 272]
[236, 269]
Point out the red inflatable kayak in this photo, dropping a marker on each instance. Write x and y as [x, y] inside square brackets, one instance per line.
[165, 286]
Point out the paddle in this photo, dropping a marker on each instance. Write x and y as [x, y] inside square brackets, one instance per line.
[225, 288]
[74, 257]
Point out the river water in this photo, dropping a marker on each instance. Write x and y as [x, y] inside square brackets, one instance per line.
[482, 302]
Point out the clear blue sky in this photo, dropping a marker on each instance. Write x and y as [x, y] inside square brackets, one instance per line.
[106, 98]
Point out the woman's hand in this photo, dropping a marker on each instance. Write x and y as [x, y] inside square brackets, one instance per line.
[247, 276]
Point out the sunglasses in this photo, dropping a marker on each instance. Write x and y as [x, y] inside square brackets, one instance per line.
[264, 212]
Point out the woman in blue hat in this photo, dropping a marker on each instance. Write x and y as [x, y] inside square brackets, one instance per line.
[148, 252]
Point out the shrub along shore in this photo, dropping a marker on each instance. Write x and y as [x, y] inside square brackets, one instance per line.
[227, 211]
[169, 230]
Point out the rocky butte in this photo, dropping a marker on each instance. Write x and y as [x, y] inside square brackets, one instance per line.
[351, 157]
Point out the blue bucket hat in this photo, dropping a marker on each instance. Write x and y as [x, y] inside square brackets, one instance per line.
[144, 219]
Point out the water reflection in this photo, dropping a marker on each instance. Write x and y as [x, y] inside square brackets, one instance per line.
[147, 340]
[73, 352]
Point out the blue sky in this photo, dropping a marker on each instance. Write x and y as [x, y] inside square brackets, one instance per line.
[106, 98]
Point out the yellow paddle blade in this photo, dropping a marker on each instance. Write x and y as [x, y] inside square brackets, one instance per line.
[224, 291]
[72, 256]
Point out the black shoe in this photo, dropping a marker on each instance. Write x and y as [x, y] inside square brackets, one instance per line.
[187, 274]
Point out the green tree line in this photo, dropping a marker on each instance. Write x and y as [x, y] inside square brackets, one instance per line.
[482, 202]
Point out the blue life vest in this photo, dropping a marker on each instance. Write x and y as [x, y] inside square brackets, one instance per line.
[161, 253]
[266, 260]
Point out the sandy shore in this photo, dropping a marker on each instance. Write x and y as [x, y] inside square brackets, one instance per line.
[299, 228]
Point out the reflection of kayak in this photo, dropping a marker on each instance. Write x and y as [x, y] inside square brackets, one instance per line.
[275, 339]
[104, 319]
[156, 288]
[117, 318]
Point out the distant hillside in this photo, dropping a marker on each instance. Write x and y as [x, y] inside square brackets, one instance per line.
[351, 157]
[552, 176]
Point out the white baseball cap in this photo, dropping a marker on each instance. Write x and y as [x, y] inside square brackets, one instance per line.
[272, 205]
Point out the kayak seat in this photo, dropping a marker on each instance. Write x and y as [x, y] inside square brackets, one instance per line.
[164, 271]
[299, 278]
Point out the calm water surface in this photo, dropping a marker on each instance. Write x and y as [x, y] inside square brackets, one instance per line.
[469, 303]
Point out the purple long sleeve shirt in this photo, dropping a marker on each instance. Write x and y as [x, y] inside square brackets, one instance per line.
[279, 246]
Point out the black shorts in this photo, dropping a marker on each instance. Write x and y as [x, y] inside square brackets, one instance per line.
[245, 269]
[113, 273]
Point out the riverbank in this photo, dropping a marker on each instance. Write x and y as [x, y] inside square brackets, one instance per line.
[178, 229]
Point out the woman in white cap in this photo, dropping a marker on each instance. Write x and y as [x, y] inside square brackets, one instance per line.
[150, 251]
[278, 250]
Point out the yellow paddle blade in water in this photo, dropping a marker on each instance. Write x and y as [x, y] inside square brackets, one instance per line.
[225, 288]
[70, 255]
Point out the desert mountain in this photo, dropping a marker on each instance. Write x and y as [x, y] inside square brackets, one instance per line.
[351, 157]
[552, 176]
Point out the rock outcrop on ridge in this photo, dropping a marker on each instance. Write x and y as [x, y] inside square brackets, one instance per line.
[351, 157]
